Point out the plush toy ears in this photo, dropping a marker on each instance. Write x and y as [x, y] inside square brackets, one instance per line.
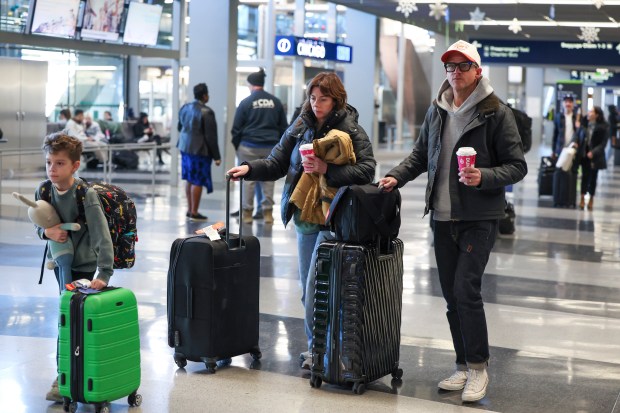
[25, 200]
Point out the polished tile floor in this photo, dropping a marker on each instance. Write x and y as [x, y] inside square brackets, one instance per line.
[552, 295]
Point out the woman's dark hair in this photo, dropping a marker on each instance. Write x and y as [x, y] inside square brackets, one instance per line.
[142, 116]
[66, 113]
[200, 90]
[330, 85]
[600, 115]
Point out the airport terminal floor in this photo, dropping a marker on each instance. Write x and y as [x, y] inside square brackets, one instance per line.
[552, 294]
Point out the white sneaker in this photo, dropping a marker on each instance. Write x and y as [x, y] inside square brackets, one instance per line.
[305, 355]
[455, 382]
[476, 387]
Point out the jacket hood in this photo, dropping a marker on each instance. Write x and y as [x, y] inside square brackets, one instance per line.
[445, 96]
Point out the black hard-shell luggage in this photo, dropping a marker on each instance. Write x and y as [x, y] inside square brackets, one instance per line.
[545, 176]
[564, 189]
[213, 293]
[357, 314]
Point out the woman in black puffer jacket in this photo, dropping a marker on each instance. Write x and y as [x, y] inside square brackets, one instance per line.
[590, 140]
[324, 109]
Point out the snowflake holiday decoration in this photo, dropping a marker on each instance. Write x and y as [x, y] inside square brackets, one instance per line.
[437, 10]
[589, 34]
[515, 27]
[476, 17]
[598, 3]
[406, 7]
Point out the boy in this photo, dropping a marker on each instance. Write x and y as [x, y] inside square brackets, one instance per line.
[92, 243]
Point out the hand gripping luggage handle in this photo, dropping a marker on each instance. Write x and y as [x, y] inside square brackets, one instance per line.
[228, 179]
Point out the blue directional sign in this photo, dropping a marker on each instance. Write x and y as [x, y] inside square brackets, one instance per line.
[313, 49]
[516, 52]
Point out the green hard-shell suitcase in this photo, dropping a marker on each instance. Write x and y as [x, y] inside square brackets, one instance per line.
[98, 348]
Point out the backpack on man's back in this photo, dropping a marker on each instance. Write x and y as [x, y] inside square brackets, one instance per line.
[524, 126]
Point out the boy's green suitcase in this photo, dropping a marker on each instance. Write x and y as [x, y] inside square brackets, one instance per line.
[98, 348]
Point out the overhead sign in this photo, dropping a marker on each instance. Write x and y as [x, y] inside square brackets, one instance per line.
[517, 52]
[313, 49]
[599, 78]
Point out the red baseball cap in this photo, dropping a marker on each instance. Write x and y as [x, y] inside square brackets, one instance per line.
[468, 50]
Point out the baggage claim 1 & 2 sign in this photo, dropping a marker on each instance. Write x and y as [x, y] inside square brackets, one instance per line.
[313, 49]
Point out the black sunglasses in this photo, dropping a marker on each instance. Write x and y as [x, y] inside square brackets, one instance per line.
[463, 67]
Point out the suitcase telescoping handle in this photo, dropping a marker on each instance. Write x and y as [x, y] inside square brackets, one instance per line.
[228, 179]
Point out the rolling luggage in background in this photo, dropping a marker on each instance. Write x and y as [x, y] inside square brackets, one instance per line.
[564, 189]
[213, 292]
[545, 176]
[357, 314]
[98, 348]
[125, 159]
[506, 225]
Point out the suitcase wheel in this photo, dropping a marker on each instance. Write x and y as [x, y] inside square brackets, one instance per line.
[315, 381]
[211, 367]
[256, 353]
[359, 387]
[397, 374]
[180, 361]
[70, 406]
[134, 399]
[102, 408]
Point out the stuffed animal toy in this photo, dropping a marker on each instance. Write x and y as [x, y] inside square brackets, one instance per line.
[43, 215]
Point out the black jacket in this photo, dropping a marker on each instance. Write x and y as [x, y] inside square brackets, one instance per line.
[285, 159]
[259, 119]
[198, 130]
[493, 133]
[597, 144]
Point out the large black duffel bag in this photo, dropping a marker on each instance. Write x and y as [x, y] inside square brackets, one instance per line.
[125, 159]
[364, 214]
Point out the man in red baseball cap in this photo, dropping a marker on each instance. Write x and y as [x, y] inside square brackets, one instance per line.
[465, 205]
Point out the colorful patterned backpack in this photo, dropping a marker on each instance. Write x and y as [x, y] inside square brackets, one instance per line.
[120, 212]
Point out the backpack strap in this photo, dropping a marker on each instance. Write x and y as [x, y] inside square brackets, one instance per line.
[80, 196]
[43, 264]
[44, 192]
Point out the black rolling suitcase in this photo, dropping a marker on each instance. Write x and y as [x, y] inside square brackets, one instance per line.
[506, 225]
[564, 189]
[213, 293]
[357, 314]
[545, 176]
